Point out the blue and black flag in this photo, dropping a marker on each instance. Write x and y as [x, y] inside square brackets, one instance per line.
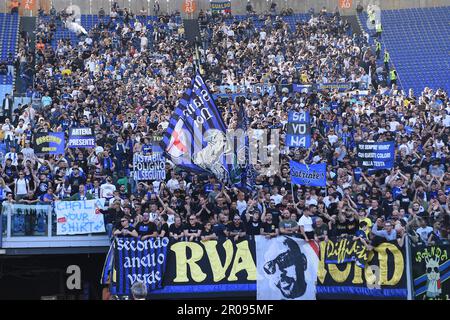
[107, 267]
[196, 135]
[138, 261]
[246, 178]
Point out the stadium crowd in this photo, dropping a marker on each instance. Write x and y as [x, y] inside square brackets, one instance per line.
[124, 79]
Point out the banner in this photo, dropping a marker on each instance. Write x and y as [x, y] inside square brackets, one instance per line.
[79, 217]
[376, 155]
[253, 89]
[213, 268]
[28, 4]
[345, 250]
[314, 175]
[302, 88]
[221, 6]
[49, 143]
[196, 135]
[431, 272]
[81, 138]
[136, 260]
[334, 86]
[287, 268]
[149, 167]
[189, 6]
[345, 4]
[156, 141]
[384, 276]
[298, 130]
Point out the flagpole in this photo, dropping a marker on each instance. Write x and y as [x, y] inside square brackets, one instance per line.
[292, 190]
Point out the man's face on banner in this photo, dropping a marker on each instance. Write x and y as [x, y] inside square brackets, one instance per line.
[287, 270]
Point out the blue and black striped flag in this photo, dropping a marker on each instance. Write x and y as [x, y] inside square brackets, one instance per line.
[107, 267]
[247, 172]
[138, 261]
[196, 135]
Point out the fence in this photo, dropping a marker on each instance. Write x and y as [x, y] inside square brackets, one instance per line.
[35, 226]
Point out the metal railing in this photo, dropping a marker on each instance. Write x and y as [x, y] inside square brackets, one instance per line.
[34, 226]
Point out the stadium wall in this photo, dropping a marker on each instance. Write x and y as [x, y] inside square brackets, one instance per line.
[238, 7]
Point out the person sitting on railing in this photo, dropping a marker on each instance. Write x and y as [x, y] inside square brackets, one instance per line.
[125, 230]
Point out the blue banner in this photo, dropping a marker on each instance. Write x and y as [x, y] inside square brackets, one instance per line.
[303, 88]
[81, 138]
[221, 6]
[149, 167]
[333, 86]
[298, 133]
[136, 260]
[196, 136]
[49, 143]
[376, 155]
[314, 175]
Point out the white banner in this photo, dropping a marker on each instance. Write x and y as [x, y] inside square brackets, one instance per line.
[79, 217]
[287, 268]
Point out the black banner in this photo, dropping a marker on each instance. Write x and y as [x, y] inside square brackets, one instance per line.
[384, 276]
[345, 250]
[431, 272]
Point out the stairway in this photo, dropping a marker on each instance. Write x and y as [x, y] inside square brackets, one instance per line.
[28, 25]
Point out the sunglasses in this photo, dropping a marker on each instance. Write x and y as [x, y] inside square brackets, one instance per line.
[123, 220]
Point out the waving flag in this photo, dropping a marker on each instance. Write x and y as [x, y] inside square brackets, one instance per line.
[196, 135]
[244, 176]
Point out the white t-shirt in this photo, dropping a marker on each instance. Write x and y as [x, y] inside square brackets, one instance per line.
[241, 206]
[424, 232]
[306, 222]
[276, 198]
[107, 190]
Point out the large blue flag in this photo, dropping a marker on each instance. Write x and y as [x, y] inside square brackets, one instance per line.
[196, 135]
[314, 175]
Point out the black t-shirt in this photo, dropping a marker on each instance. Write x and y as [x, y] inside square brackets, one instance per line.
[269, 227]
[192, 229]
[351, 226]
[233, 228]
[144, 229]
[340, 227]
[254, 227]
[176, 230]
[405, 200]
[207, 233]
[164, 227]
[275, 215]
[129, 228]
